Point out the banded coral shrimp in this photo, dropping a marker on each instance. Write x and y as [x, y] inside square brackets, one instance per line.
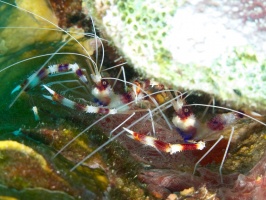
[18, 107]
[13, 118]
[169, 160]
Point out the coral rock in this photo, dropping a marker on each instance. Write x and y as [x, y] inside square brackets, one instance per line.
[214, 46]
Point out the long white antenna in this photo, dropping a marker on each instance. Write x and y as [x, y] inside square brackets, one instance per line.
[121, 124]
[96, 45]
[48, 54]
[229, 109]
[197, 163]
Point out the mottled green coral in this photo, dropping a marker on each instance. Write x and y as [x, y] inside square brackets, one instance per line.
[187, 44]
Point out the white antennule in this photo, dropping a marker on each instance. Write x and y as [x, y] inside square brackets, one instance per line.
[225, 153]
[96, 78]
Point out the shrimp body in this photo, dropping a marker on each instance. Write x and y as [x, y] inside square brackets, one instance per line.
[220, 121]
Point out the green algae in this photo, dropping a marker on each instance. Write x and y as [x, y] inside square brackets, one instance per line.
[120, 167]
[123, 170]
[36, 193]
[30, 165]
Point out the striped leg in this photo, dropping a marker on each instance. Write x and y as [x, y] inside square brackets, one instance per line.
[36, 78]
[76, 106]
[163, 146]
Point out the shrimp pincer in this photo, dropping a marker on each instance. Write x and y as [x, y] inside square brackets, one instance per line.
[77, 106]
[163, 146]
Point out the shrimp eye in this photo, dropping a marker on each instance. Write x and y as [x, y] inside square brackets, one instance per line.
[104, 83]
[186, 111]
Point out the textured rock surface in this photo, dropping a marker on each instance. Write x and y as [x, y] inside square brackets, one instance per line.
[214, 46]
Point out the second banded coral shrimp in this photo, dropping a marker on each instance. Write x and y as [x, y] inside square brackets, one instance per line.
[162, 124]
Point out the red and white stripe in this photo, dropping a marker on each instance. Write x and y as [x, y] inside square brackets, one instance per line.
[163, 146]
